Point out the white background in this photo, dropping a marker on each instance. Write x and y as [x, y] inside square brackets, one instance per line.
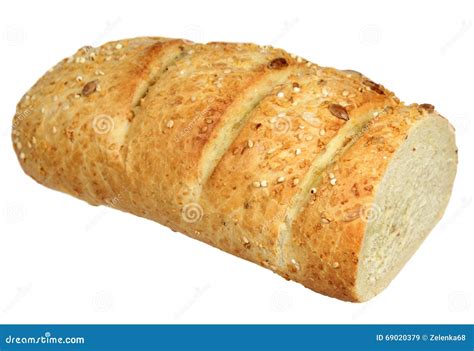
[63, 261]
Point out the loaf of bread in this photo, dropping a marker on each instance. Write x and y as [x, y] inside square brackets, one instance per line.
[321, 175]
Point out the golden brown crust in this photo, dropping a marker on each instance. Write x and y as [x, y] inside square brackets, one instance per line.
[74, 134]
[247, 196]
[181, 119]
[328, 233]
[220, 141]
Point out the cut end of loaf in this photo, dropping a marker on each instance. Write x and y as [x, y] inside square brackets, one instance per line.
[410, 200]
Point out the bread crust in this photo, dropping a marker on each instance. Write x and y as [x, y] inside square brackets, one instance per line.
[328, 233]
[250, 149]
[247, 197]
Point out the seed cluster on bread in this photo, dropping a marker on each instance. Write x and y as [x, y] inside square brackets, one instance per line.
[260, 153]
